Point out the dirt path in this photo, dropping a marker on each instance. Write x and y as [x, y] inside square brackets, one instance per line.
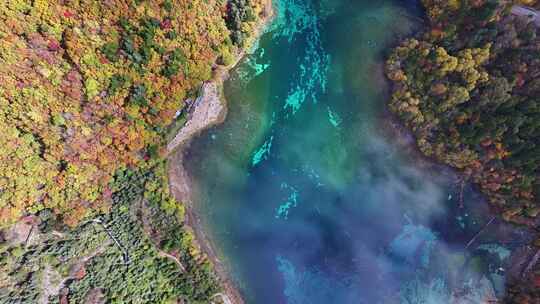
[52, 282]
[147, 230]
[164, 254]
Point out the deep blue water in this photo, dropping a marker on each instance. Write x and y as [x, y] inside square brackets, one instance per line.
[309, 200]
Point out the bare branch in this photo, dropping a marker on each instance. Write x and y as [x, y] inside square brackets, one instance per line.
[532, 263]
[479, 232]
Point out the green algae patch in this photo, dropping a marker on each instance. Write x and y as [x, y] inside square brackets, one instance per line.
[262, 153]
[291, 202]
[496, 249]
[252, 67]
[258, 68]
[293, 19]
[333, 118]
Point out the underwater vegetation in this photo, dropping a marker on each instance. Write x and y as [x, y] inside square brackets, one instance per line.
[89, 91]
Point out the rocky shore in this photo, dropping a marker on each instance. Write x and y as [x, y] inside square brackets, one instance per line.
[208, 110]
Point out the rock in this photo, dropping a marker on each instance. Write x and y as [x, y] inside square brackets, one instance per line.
[78, 271]
[533, 212]
[95, 296]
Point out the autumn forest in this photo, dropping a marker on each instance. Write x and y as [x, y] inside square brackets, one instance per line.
[468, 88]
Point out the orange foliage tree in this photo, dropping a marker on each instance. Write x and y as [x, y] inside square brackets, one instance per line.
[88, 87]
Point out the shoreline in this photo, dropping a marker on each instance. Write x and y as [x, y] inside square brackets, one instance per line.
[521, 281]
[210, 109]
[524, 256]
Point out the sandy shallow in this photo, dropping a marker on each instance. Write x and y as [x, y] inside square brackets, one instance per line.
[208, 110]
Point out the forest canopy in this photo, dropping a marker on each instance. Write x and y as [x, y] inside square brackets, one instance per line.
[89, 91]
[469, 88]
[90, 87]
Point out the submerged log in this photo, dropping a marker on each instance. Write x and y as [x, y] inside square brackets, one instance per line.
[479, 232]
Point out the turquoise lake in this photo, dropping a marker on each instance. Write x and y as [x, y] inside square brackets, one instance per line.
[307, 194]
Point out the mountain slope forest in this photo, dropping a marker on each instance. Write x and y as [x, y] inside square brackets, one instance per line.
[88, 87]
[88, 92]
[469, 89]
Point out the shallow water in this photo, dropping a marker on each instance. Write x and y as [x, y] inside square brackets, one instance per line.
[308, 201]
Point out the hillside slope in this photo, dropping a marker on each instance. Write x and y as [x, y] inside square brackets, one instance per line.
[468, 88]
[88, 92]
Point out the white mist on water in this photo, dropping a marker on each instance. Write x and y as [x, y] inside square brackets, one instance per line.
[306, 199]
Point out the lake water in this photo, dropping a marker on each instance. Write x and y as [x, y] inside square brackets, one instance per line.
[304, 195]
